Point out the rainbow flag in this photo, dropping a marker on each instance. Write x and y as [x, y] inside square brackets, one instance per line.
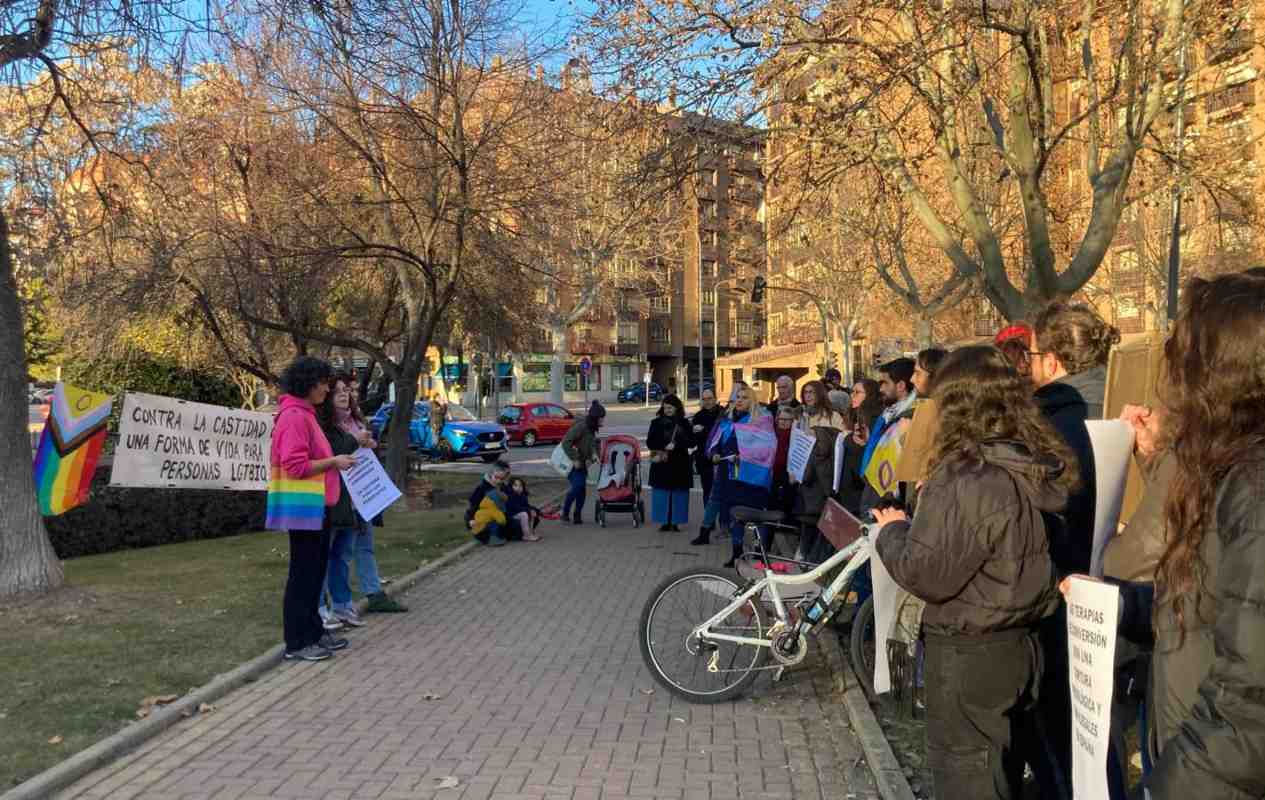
[757, 447]
[295, 504]
[881, 470]
[70, 448]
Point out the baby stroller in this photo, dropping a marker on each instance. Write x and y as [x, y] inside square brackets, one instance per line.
[619, 479]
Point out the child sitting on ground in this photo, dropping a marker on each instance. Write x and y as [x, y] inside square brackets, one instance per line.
[489, 521]
[518, 507]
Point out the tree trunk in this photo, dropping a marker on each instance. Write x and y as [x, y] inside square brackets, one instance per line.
[924, 331]
[558, 365]
[28, 563]
[397, 434]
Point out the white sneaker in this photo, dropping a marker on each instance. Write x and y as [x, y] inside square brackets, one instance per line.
[349, 617]
[330, 622]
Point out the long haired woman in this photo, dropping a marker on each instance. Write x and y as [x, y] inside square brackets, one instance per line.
[977, 552]
[1209, 663]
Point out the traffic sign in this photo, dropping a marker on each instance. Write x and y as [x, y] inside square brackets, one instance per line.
[586, 365]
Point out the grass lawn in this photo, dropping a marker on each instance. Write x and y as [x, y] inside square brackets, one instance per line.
[162, 620]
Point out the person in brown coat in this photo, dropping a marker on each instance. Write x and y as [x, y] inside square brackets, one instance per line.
[978, 554]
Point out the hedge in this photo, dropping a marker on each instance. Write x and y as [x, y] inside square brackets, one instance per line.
[116, 518]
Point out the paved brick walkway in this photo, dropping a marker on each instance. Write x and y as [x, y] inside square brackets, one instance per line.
[532, 651]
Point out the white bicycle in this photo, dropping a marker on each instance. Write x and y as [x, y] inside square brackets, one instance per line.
[705, 634]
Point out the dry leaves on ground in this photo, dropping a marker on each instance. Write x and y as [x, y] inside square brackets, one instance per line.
[155, 700]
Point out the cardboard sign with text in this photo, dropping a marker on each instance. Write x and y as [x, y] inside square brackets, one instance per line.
[1093, 609]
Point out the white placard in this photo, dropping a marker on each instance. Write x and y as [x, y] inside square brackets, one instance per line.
[797, 457]
[887, 600]
[841, 446]
[1092, 614]
[174, 444]
[1112, 443]
[371, 489]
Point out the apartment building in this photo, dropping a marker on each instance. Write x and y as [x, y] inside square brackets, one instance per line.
[683, 308]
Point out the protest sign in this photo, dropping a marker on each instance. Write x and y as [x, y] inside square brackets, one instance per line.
[841, 445]
[1092, 609]
[371, 490]
[797, 457]
[1112, 443]
[174, 444]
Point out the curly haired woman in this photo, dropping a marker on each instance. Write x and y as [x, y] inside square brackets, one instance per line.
[977, 552]
[1208, 680]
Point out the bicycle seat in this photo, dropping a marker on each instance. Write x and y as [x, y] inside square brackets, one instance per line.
[744, 515]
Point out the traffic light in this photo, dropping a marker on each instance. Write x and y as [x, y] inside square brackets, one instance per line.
[757, 289]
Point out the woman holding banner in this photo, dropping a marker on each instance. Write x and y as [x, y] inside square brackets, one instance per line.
[743, 446]
[303, 485]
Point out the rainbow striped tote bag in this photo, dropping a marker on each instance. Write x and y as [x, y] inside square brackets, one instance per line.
[295, 505]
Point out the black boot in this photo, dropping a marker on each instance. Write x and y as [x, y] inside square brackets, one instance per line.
[704, 536]
[664, 528]
[737, 555]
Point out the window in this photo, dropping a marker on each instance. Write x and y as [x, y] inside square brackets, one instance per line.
[584, 333]
[557, 412]
[711, 238]
[542, 296]
[661, 303]
[573, 380]
[621, 375]
[626, 266]
[745, 328]
[709, 267]
[709, 332]
[627, 332]
[660, 334]
[709, 297]
[708, 209]
[536, 378]
[540, 412]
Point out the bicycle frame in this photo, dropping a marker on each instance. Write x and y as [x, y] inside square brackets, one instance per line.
[855, 554]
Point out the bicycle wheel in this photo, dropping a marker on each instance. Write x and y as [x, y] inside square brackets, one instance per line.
[677, 659]
[863, 645]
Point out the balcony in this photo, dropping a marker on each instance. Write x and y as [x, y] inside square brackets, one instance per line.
[628, 349]
[1236, 43]
[1230, 98]
[589, 346]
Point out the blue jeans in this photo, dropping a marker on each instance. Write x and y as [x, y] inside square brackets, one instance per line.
[338, 577]
[577, 493]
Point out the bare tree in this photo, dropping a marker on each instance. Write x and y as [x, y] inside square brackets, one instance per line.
[1060, 99]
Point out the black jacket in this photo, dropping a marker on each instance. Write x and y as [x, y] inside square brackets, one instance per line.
[1209, 690]
[342, 514]
[819, 478]
[678, 471]
[706, 420]
[1072, 533]
[476, 497]
[976, 550]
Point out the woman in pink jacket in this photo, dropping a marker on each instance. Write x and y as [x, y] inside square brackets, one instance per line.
[304, 483]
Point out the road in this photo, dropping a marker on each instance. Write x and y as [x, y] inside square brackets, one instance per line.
[631, 419]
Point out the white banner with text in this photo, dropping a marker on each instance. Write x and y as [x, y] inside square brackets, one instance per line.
[167, 443]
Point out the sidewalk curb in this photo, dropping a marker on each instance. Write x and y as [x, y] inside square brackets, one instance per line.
[888, 775]
[62, 775]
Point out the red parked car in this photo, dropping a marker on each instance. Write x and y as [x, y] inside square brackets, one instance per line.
[530, 423]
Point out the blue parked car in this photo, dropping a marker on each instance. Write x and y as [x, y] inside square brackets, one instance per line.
[636, 393]
[463, 435]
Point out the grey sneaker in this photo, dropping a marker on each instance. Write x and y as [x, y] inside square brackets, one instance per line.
[350, 617]
[495, 541]
[332, 644]
[330, 622]
[313, 652]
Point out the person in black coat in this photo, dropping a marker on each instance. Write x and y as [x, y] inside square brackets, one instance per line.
[1070, 346]
[701, 427]
[671, 468]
